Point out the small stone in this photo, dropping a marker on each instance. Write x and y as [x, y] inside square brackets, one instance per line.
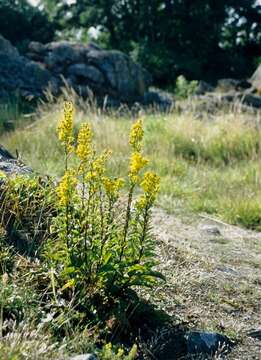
[160, 100]
[84, 357]
[213, 230]
[256, 334]
[227, 270]
[207, 343]
[9, 165]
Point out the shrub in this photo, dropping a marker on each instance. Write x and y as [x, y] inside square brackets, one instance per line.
[185, 88]
[26, 209]
[20, 22]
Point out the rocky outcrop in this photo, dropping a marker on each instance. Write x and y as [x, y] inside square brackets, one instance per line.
[88, 68]
[18, 74]
[231, 85]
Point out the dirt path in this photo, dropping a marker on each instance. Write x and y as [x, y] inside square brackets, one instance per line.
[213, 277]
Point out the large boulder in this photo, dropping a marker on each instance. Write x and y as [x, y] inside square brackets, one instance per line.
[89, 68]
[256, 79]
[11, 166]
[19, 74]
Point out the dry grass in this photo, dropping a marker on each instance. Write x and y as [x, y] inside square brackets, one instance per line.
[208, 166]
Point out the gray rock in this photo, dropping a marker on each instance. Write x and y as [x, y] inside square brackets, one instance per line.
[86, 68]
[246, 98]
[158, 99]
[256, 79]
[84, 357]
[252, 100]
[36, 47]
[88, 72]
[7, 48]
[211, 229]
[256, 333]
[9, 165]
[226, 85]
[124, 77]
[227, 270]
[206, 343]
[18, 74]
[63, 53]
[203, 87]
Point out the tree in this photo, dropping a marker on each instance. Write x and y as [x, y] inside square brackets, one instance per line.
[202, 39]
[20, 22]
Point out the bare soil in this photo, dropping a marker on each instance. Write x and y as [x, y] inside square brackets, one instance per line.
[213, 272]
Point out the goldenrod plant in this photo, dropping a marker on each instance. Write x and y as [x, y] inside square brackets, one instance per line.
[87, 234]
[101, 244]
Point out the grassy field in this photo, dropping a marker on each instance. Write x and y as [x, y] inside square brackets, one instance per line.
[210, 173]
[208, 166]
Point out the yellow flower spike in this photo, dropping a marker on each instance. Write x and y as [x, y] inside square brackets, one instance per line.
[108, 346]
[65, 127]
[141, 203]
[120, 353]
[99, 164]
[112, 187]
[66, 187]
[136, 135]
[84, 144]
[151, 184]
[137, 163]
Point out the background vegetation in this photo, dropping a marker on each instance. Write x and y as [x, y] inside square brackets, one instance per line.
[63, 291]
[209, 166]
[201, 39]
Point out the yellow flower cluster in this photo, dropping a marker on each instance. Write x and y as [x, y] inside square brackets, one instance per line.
[136, 135]
[66, 187]
[65, 127]
[98, 166]
[137, 163]
[151, 184]
[141, 202]
[112, 187]
[84, 144]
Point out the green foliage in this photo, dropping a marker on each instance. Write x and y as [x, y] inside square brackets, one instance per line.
[185, 88]
[202, 39]
[26, 210]
[6, 254]
[11, 112]
[20, 23]
[246, 212]
[108, 353]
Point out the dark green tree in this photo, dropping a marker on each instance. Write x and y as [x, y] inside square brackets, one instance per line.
[202, 39]
[20, 22]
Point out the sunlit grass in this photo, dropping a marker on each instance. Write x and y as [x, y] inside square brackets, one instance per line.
[205, 166]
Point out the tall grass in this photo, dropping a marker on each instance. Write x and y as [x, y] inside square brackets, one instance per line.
[210, 166]
[14, 112]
